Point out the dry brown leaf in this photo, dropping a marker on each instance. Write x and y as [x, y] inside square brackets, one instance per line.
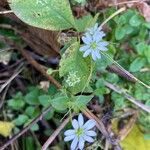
[144, 9]
[44, 85]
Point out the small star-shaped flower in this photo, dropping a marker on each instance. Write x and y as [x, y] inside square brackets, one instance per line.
[93, 43]
[81, 133]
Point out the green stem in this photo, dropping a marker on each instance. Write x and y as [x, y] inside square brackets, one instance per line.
[113, 15]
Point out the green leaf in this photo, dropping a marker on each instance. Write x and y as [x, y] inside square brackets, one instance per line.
[60, 103]
[80, 1]
[148, 103]
[100, 83]
[35, 127]
[147, 25]
[147, 53]
[29, 142]
[101, 64]
[135, 20]
[137, 64]
[112, 77]
[128, 29]
[52, 90]
[80, 102]
[101, 91]
[73, 61]
[120, 33]
[141, 47]
[16, 104]
[32, 112]
[44, 100]
[22, 119]
[49, 115]
[32, 97]
[86, 22]
[121, 20]
[82, 22]
[45, 14]
[118, 100]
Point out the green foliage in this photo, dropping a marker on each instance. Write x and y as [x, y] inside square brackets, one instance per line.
[136, 20]
[60, 102]
[30, 105]
[45, 100]
[51, 15]
[80, 1]
[77, 64]
[17, 102]
[119, 101]
[21, 120]
[120, 33]
[80, 102]
[81, 78]
[137, 64]
[86, 22]
[32, 97]
[111, 77]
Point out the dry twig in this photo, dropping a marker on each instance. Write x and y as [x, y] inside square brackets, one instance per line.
[55, 133]
[121, 91]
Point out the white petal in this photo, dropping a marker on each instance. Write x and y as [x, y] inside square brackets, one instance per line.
[90, 133]
[86, 53]
[102, 34]
[88, 139]
[87, 39]
[89, 124]
[93, 55]
[102, 46]
[69, 138]
[74, 143]
[81, 143]
[104, 43]
[75, 124]
[84, 48]
[97, 37]
[80, 120]
[97, 54]
[69, 132]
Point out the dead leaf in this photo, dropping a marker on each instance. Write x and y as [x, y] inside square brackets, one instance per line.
[135, 140]
[144, 9]
[44, 85]
[5, 57]
[6, 128]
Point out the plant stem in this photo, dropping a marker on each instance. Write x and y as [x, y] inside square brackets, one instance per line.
[113, 15]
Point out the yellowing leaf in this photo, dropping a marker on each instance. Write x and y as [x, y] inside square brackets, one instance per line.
[135, 140]
[6, 128]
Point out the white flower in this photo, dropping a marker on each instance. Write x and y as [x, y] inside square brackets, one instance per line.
[72, 78]
[81, 133]
[93, 42]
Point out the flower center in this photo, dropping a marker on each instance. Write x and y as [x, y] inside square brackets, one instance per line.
[79, 132]
[94, 45]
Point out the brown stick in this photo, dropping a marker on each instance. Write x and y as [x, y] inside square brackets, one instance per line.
[15, 137]
[31, 61]
[133, 100]
[55, 133]
[100, 126]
